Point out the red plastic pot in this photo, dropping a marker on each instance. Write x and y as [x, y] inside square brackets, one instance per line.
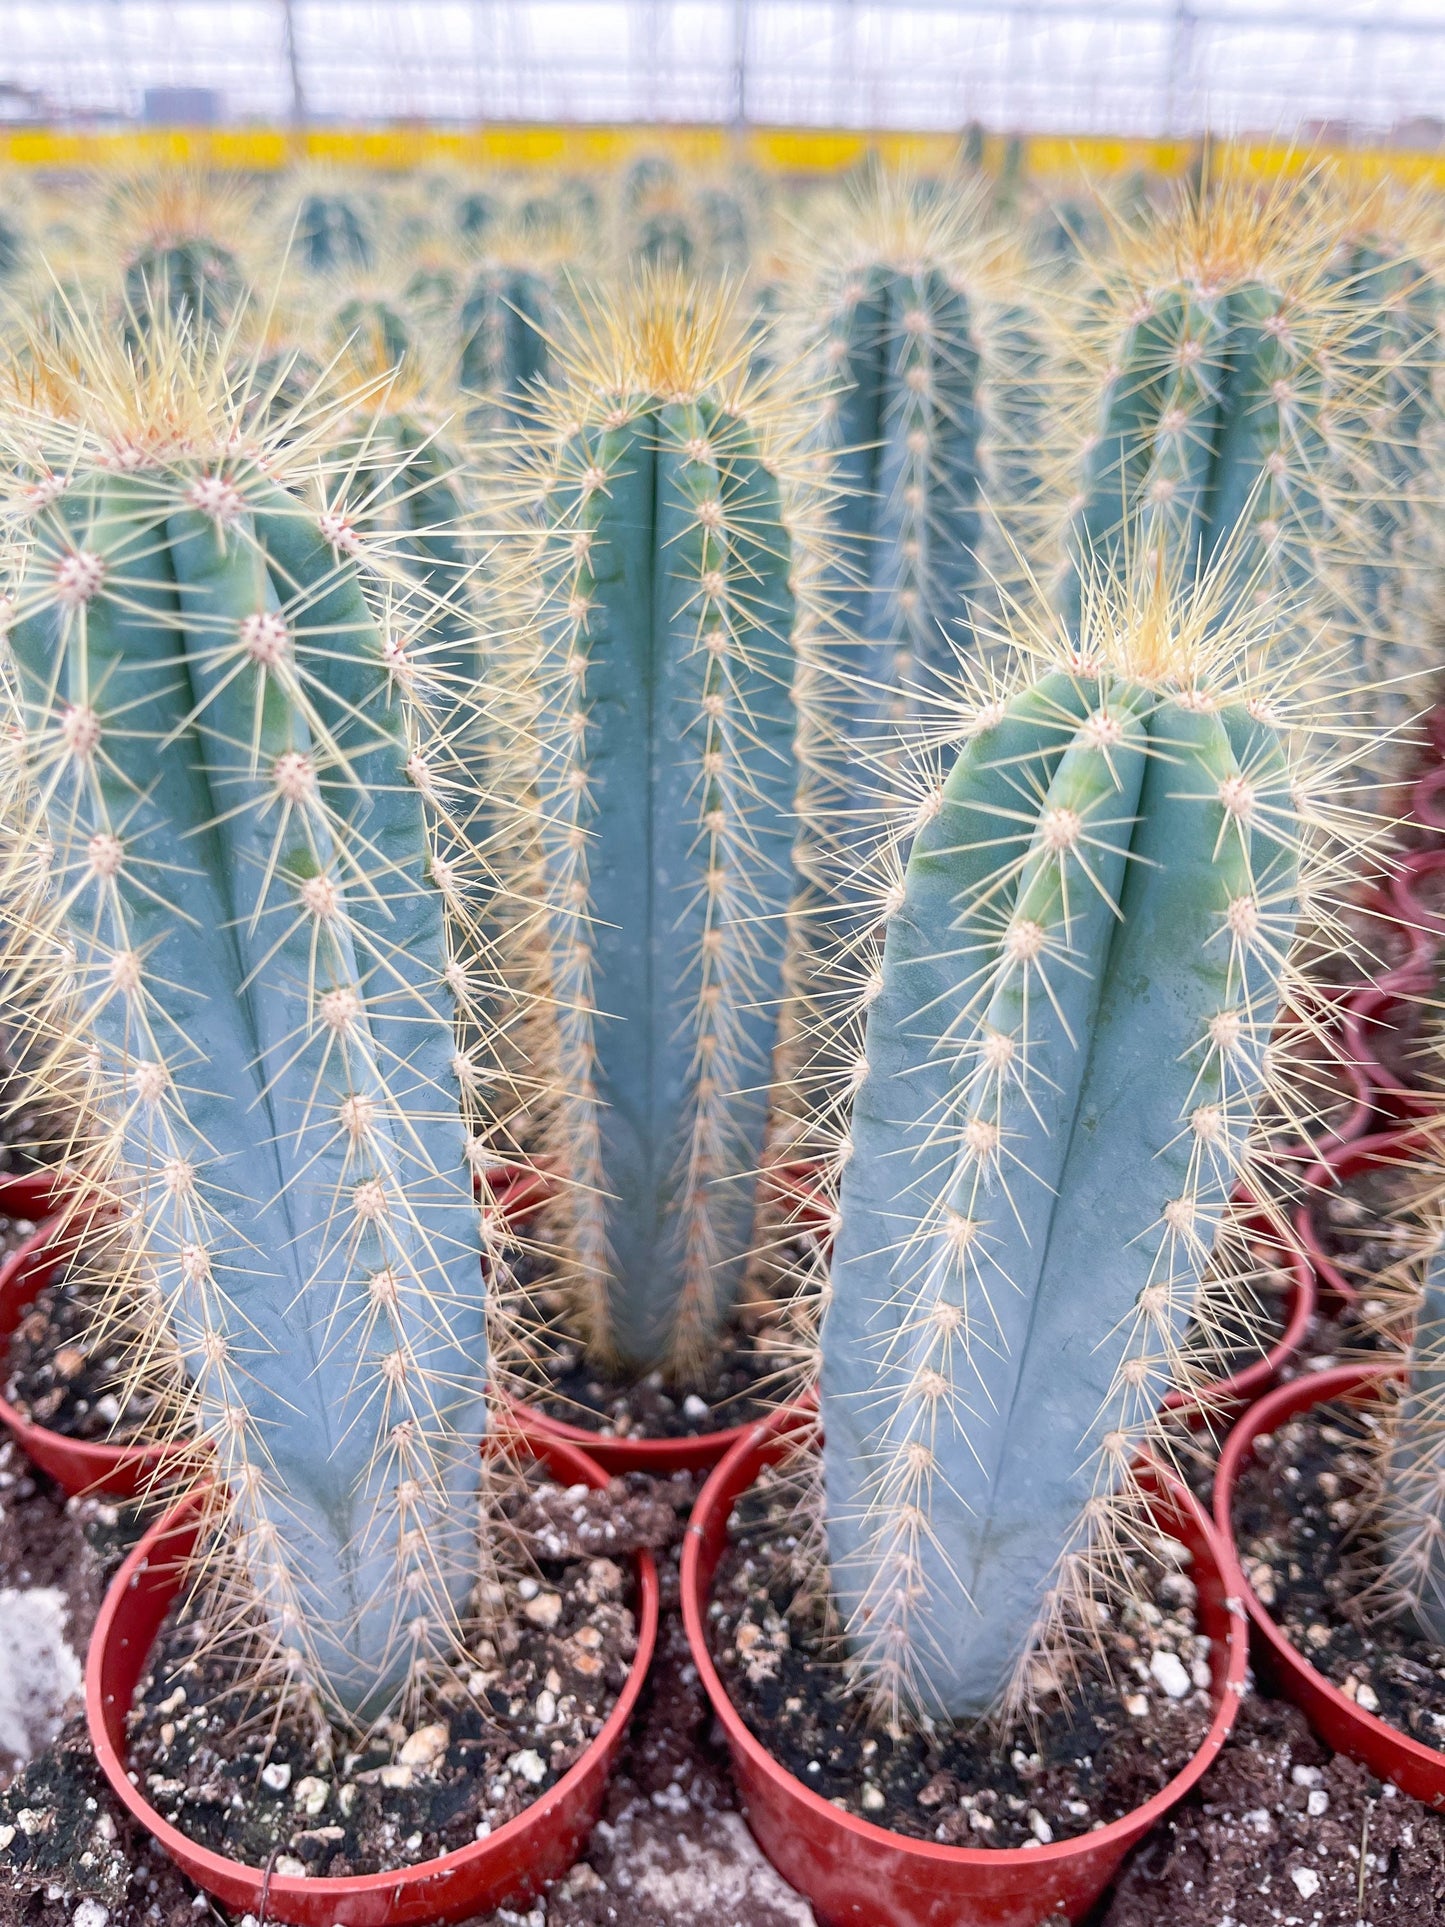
[860, 1875]
[1402, 1144]
[1368, 1015]
[76, 1465]
[795, 1186]
[512, 1864]
[518, 1190]
[1407, 1763]
[1407, 894]
[31, 1195]
[1427, 798]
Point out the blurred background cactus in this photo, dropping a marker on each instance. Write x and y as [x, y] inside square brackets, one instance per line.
[919, 316]
[1236, 382]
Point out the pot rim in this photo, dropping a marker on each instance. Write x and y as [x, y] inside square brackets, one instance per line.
[771, 1435]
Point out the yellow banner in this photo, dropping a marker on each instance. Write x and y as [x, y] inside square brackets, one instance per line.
[783, 150]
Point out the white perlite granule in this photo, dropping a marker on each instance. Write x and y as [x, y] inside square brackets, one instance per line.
[39, 1674]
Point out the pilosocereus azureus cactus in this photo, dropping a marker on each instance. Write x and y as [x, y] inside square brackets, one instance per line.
[507, 316]
[1065, 1042]
[333, 231]
[919, 317]
[664, 532]
[254, 852]
[1229, 388]
[181, 241]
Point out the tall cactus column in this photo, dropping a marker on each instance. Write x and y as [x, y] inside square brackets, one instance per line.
[1065, 1043]
[1236, 405]
[248, 813]
[667, 794]
[919, 318]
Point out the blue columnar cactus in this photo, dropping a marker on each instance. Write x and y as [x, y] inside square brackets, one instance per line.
[921, 321]
[254, 858]
[507, 318]
[333, 232]
[1065, 1043]
[1234, 396]
[669, 668]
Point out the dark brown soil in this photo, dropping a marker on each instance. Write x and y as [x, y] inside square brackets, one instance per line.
[30, 1138]
[746, 1378]
[240, 1769]
[1298, 1519]
[1084, 1758]
[1282, 1833]
[1354, 1223]
[65, 1378]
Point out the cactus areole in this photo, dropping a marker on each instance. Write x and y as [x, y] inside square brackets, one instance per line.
[1064, 1049]
[247, 823]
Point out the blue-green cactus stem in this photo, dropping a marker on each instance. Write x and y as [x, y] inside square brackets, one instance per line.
[505, 325]
[333, 233]
[240, 821]
[918, 369]
[667, 797]
[198, 281]
[1063, 1053]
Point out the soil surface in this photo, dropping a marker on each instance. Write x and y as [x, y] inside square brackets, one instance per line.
[1136, 1715]
[239, 1767]
[1355, 1224]
[63, 1375]
[747, 1375]
[1282, 1833]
